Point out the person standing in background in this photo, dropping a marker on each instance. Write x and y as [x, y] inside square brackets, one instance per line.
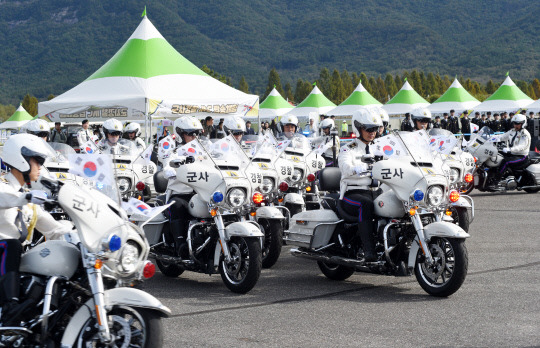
[453, 123]
[57, 135]
[466, 125]
[84, 134]
[344, 129]
[208, 127]
[444, 121]
[249, 130]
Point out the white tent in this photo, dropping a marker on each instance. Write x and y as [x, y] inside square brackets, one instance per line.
[455, 98]
[359, 98]
[147, 76]
[315, 102]
[17, 120]
[274, 105]
[406, 100]
[508, 97]
[534, 107]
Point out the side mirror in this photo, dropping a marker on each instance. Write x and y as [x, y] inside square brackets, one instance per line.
[190, 159]
[176, 163]
[368, 158]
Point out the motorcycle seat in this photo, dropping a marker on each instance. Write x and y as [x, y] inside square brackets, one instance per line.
[330, 201]
[329, 179]
[160, 182]
[344, 215]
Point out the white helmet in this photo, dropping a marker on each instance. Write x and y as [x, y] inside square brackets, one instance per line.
[327, 123]
[384, 116]
[520, 119]
[133, 127]
[365, 119]
[289, 119]
[186, 124]
[19, 148]
[112, 126]
[234, 124]
[421, 114]
[38, 127]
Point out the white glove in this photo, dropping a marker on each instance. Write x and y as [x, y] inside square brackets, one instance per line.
[36, 197]
[506, 150]
[170, 173]
[359, 170]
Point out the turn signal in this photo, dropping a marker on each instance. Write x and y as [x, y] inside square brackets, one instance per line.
[468, 177]
[311, 177]
[412, 211]
[454, 196]
[283, 187]
[213, 212]
[149, 270]
[98, 264]
[280, 200]
[308, 188]
[140, 186]
[449, 212]
[253, 213]
[257, 198]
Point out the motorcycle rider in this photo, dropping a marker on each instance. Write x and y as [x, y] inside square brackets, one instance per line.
[109, 144]
[421, 118]
[385, 120]
[133, 131]
[39, 128]
[517, 151]
[356, 196]
[235, 125]
[326, 127]
[186, 129]
[20, 213]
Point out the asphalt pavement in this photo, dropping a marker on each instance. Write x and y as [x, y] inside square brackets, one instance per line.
[294, 305]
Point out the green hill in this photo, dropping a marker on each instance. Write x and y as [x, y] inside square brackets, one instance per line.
[50, 46]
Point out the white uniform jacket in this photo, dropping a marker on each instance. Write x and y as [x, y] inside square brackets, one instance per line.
[11, 199]
[108, 149]
[174, 186]
[522, 141]
[350, 164]
[83, 136]
[139, 143]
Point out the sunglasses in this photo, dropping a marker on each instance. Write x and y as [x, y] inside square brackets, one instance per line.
[371, 129]
[424, 120]
[115, 134]
[192, 134]
[42, 134]
[40, 160]
[238, 133]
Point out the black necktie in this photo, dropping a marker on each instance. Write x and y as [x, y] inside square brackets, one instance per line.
[367, 149]
[514, 138]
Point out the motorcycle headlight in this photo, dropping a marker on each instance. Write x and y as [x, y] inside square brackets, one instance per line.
[297, 175]
[454, 175]
[129, 259]
[435, 195]
[124, 184]
[236, 197]
[267, 185]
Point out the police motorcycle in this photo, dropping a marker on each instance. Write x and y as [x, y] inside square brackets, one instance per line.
[79, 291]
[485, 146]
[218, 237]
[461, 166]
[271, 217]
[410, 236]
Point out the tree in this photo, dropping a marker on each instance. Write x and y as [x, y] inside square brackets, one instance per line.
[399, 82]
[355, 80]
[288, 92]
[531, 93]
[337, 91]
[324, 81]
[490, 87]
[365, 82]
[381, 90]
[6, 111]
[303, 88]
[243, 85]
[273, 81]
[51, 96]
[348, 86]
[536, 87]
[217, 76]
[30, 104]
[431, 85]
[390, 84]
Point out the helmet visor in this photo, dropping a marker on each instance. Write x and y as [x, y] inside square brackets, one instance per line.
[115, 133]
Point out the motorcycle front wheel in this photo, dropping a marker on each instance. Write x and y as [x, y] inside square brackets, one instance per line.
[129, 327]
[273, 241]
[468, 189]
[446, 275]
[242, 272]
[461, 217]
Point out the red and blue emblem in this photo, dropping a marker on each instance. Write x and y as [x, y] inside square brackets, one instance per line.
[90, 169]
[388, 150]
[166, 145]
[88, 149]
[142, 207]
[224, 147]
[432, 141]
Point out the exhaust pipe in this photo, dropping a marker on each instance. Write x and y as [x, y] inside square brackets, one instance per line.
[358, 265]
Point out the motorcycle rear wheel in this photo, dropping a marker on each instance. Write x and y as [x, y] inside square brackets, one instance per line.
[273, 241]
[335, 272]
[242, 273]
[468, 189]
[133, 327]
[170, 269]
[448, 272]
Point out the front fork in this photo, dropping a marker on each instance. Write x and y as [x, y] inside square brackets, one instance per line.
[419, 227]
[96, 285]
[223, 238]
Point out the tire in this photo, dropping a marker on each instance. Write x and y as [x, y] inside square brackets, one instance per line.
[454, 260]
[145, 325]
[461, 217]
[241, 275]
[170, 269]
[532, 190]
[335, 272]
[273, 241]
[468, 189]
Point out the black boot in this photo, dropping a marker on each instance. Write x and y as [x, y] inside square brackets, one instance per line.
[9, 288]
[368, 245]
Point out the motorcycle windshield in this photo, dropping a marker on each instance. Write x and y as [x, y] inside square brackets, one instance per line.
[249, 143]
[60, 152]
[127, 148]
[229, 150]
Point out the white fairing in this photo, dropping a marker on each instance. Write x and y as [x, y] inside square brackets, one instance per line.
[294, 198]
[197, 207]
[462, 202]
[400, 175]
[535, 170]
[243, 229]
[388, 205]
[494, 161]
[269, 213]
[52, 258]
[114, 297]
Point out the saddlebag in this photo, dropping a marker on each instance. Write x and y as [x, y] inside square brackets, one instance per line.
[534, 169]
[152, 230]
[311, 229]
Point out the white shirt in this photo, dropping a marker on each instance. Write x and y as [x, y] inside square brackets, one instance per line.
[350, 164]
[522, 141]
[139, 143]
[10, 199]
[174, 186]
[83, 136]
[107, 149]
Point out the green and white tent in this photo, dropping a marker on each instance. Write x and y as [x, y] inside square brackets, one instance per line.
[315, 102]
[534, 107]
[406, 100]
[274, 105]
[147, 76]
[508, 97]
[17, 120]
[358, 99]
[456, 97]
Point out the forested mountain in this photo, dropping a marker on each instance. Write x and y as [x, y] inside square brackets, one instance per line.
[48, 46]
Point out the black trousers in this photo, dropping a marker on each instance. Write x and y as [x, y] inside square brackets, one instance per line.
[513, 162]
[10, 260]
[179, 218]
[360, 203]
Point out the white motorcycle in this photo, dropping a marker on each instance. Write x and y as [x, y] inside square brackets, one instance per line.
[410, 234]
[219, 239]
[483, 146]
[70, 295]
